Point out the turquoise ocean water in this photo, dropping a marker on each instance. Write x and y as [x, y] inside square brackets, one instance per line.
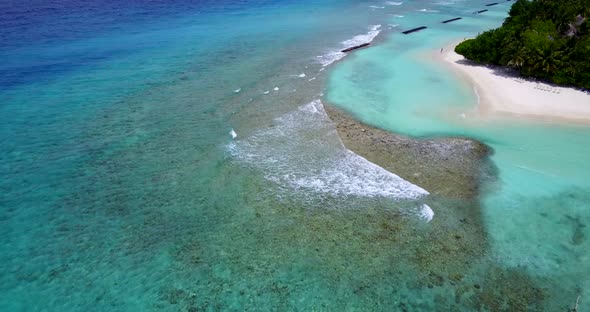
[536, 213]
[122, 188]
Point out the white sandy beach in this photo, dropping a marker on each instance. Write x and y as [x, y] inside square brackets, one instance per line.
[502, 92]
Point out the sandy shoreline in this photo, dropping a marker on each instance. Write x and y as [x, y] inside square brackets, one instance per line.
[502, 93]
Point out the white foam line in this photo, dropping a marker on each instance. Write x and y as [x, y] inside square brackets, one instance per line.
[426, 213]
[534, 170]
[334, 56]
[303, 152]
[429, 11]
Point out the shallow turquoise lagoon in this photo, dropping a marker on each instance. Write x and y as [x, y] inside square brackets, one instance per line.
[536, 212]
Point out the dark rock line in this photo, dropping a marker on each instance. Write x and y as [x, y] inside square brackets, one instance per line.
[414, 30]
[452, 20]
[424, 27]
[356, 47]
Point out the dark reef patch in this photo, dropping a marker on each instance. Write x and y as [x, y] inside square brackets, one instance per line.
[450, 167]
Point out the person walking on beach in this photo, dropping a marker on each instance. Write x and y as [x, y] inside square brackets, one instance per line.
[441, 49]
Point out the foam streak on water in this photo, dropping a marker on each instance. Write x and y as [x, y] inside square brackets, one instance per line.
[334, 56]
[302, 151]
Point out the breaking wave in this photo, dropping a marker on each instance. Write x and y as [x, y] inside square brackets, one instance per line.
[334, 56]
[303, 153]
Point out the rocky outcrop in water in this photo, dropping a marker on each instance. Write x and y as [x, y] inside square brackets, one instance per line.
[450, 167]
[356, 47]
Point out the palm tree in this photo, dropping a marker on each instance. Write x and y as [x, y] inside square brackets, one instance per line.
[548, 60]
[519, 58]
[516, 61]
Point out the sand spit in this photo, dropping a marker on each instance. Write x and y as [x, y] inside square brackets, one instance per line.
[503, 93]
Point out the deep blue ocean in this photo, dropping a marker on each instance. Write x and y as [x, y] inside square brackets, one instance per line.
[175, 156]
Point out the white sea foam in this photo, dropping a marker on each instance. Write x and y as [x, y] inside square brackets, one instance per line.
[238, 90]
[393, 3]
[360, 39]
[376, 7]
[426, 213]
[302, 152]
[266, 92]
[334, 56]
[398, 16]
[429, 11]
[330, 57]
[311, 79]
[302, 75]
[445, 3]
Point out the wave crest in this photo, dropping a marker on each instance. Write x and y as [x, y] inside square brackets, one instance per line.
[334, 56]
[303, 152]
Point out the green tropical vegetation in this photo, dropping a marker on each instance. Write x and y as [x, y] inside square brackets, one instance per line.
[544, 39]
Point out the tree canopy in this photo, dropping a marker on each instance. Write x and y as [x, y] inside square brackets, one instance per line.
[544, 39]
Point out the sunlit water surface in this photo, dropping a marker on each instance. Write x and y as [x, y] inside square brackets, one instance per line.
[122, 188]
[536, 213]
